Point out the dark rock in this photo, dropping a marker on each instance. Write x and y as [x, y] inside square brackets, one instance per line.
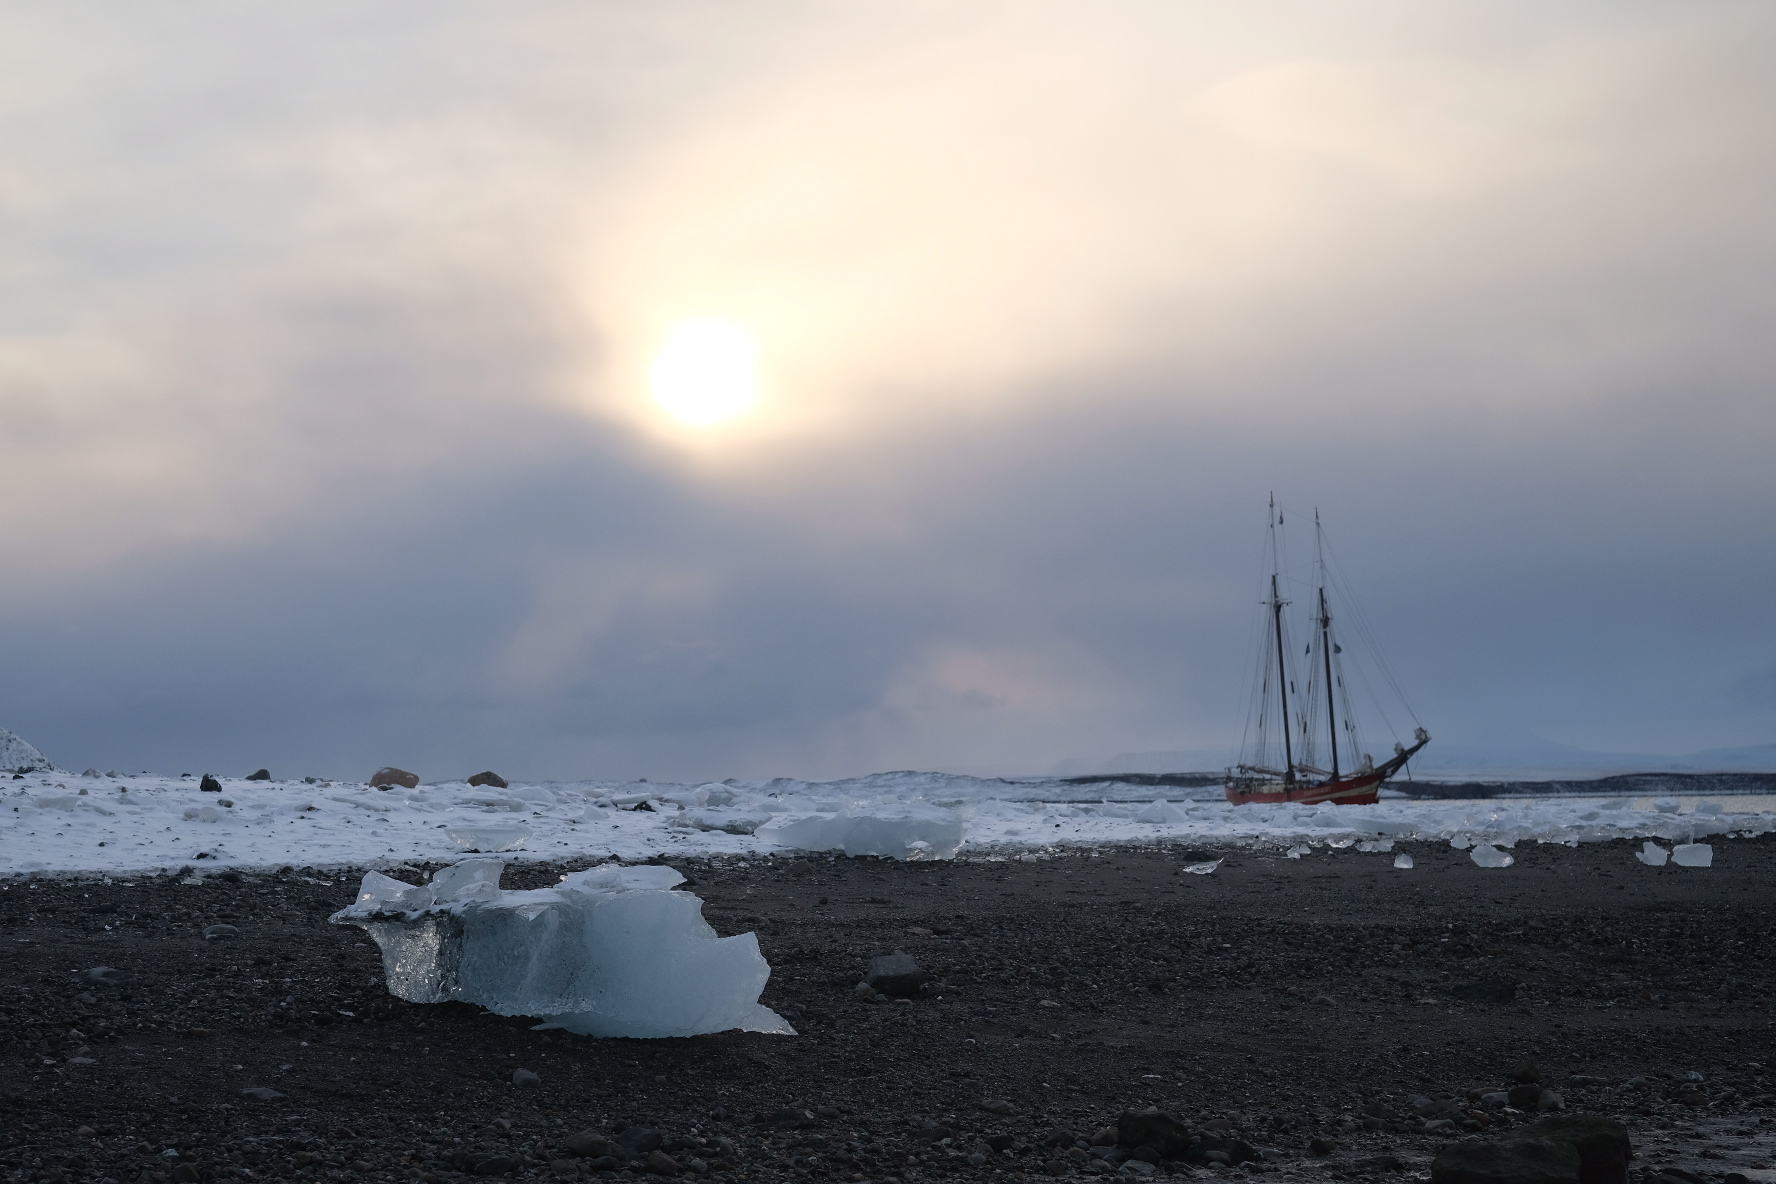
[1602, 1144]
[495, 1165]
[1526, 1074]
[261, 775]
[658, 1163]
[1105, 1136]
[1524, 1097]
[388, 776]
[791, 1119]
[1230, 1152]
[589, 1145]
[1055, 1167]
[999, 1142]
[1679, 1174]
[1320, 1145]
[637, 1142]
[1517, 1161]
[103, 976]
[998, 1106]
[186, 1173]
[1145, 1154]
[1155, 1129]
[1485, 990]
[261, 1093]
[604, 1163]
[209, 785]
[896, 974]
[487, 778]
[564, 1167]
[220, 933]
[1060, 1136]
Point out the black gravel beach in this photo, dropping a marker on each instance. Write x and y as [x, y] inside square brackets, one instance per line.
[1330, 1016]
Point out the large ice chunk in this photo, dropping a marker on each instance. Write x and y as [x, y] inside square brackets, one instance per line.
[906, 831]
[1693, 855]
[1486, 855]
[613, 951]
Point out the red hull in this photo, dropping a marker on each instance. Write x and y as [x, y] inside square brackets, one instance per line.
[1361, 790]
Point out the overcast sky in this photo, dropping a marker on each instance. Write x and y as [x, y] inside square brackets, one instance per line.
[329, 438]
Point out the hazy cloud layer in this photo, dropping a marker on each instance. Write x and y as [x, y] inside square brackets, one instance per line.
[323, 334]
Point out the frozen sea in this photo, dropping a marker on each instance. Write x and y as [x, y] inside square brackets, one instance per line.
[58, 823]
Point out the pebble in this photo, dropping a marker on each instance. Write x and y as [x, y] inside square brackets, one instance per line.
[104, 976]
[589, 1145]
[564, 1167]
[658, 1163]
[496, 1165]
[998, 1106]
[86, 1132]
[525, 1077]
[896, 974]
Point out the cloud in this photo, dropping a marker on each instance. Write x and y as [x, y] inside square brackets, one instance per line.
[323, 421]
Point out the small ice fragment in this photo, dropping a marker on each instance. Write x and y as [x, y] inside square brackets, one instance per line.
[1652, 854]
[1402, 861]
[1160, 812]
[1708, 808]
[1376, 846]
[1298, 850]
[1461, 842]
[1693, 855]
[1486, 855]
[1667, 805]
[1201, 869]
[495, 836]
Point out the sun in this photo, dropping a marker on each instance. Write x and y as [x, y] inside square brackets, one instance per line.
[706, 371]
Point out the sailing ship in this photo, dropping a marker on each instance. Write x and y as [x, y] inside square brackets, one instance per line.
[1288, 710]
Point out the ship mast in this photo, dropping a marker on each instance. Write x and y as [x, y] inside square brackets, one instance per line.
[1276, 618]
[1326, 646]
[1276, 613]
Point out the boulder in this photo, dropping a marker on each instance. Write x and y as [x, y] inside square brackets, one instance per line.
[1603, 1144]
[261, 775]
[487, 778]
[1155, 1129]
[209, 785]
[1519, 1161]
[388, 775]
[1562, 1149]
[589, 1145]
[896, 974]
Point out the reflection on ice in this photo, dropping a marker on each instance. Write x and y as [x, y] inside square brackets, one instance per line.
[613, 951]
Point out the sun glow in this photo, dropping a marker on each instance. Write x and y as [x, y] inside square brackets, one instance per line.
[706, 372]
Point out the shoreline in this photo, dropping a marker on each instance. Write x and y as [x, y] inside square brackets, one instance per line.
[1069, 988]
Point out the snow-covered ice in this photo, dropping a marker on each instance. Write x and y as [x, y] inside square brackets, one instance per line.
[57, 822]
[613, 951]
[896, 830]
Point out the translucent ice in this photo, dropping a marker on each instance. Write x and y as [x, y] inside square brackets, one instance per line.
[1652, 854]
[911, 831]
[1486, 855]
[1402, 861]
[1693, 855]
[613, 951]
[490, 836]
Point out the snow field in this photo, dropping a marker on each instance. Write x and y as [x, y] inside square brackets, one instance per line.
[55, 823]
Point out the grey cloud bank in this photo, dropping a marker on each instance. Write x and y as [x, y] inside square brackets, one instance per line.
[321, 455]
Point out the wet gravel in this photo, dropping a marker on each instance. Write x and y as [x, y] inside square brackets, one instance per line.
[1328, 1003]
